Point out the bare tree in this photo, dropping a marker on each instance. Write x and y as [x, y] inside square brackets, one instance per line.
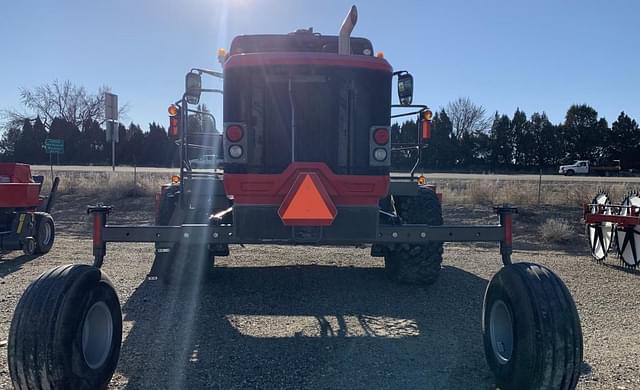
[467, 117]
[60, 100]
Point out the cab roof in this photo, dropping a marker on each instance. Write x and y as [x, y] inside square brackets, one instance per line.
[299, 41]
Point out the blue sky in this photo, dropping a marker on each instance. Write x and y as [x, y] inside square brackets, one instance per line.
[537, 55]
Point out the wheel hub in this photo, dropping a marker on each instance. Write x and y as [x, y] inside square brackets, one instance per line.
[501, 331]
[97, 335]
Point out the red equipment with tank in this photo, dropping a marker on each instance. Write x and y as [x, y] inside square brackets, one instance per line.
[25, 220]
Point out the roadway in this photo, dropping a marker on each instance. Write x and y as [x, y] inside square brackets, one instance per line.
[434, 175]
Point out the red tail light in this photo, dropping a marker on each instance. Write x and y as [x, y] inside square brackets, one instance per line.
[426, 129]
[427, 116]
[234, 133]
[381, 136]
[173, 127]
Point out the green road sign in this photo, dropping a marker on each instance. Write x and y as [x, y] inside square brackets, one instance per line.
[55, 146]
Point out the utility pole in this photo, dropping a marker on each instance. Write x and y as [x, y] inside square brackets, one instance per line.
[111, 116]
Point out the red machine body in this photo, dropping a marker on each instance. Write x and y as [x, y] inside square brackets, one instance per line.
[17, 187]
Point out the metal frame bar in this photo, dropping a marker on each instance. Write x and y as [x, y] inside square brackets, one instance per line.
[225, 234]
[617, 219]
[600, 216]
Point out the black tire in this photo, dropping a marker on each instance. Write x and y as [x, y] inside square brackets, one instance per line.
[29, 246]
[182, 265]
[570, 172]
[531, 330]
[177, 263]
[45, 232]
[59, 332]
[416, 263]
[163, 267]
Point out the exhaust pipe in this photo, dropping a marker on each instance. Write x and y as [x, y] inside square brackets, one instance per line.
[344, 40]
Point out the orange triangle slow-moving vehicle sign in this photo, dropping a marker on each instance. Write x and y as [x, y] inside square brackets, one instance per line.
[307, 203]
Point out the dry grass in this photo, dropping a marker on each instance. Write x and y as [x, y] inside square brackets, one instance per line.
[121, 185]
[556, 230]
[107, 185]
[525, 193]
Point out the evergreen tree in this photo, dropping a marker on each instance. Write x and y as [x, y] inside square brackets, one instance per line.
[547, 144]
[24, 147]
[584, 134]
[501, 142]
[70, 134]
[8, 143]
[134, 151]
[40, 135]
[440, 150]
[624, 142]
[157, 145]
[523, 143]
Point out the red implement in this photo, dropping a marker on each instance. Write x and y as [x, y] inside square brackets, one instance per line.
[17, 188]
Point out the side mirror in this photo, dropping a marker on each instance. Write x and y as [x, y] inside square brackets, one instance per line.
[405, 88]
[193, 87]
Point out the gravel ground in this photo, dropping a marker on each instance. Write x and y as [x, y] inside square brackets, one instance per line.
[307, 317]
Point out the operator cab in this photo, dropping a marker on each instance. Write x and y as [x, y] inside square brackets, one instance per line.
[293, 98]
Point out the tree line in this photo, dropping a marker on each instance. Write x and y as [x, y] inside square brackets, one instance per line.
[62, 110]
[87, 144]
[519, 142]
[463, 136]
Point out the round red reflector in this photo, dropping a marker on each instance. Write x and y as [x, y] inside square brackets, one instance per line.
[234, 133]
[381, 136]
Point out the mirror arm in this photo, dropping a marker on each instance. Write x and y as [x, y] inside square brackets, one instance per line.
[209, 72]
[422, 108]
[212, 90]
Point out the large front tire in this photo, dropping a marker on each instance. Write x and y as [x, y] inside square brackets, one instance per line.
[66, 331]
[416, 263]
[531, 330]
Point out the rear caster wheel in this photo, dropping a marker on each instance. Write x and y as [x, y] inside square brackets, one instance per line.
[66, 331]
[531, 330]
[29, 246]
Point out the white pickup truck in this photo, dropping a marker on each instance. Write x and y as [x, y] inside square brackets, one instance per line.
[583, 167]
[208, 161]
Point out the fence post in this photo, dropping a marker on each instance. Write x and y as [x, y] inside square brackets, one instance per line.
[539, 186]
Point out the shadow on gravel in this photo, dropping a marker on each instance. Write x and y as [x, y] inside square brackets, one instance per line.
[9, 265]
[306, 327]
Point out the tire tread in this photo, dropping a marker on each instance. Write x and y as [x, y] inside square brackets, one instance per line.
[412, 263]
[558, 337]
[34, 362]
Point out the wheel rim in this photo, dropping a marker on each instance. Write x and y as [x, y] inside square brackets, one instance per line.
[45, 234]
[97, 335]
[501, 331]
